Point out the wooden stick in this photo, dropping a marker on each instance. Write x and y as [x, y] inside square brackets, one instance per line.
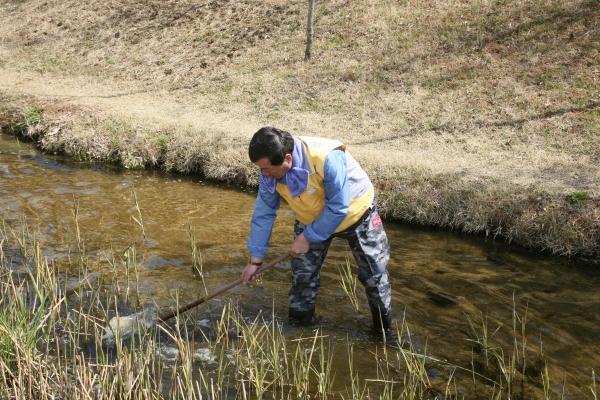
[183, 309]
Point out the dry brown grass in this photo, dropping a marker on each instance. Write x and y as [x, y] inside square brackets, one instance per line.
[498, 100]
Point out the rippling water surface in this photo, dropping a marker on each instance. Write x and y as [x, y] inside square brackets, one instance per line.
[440, 279]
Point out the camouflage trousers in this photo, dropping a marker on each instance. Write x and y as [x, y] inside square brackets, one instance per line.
[371, 250]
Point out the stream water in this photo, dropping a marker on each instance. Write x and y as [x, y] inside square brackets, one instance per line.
[440, 279]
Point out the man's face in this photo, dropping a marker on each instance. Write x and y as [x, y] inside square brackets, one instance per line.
[274, 171]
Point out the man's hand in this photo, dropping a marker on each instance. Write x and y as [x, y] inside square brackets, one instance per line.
[249, 273]
[300, 245]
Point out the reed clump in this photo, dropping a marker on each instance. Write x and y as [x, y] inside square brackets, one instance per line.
[51, 347]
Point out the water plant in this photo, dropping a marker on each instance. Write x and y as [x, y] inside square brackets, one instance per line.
[51, 344]
[348, 283]
[139, 218]
[130, 255]
[357, 391]
[482, 339]
[196, 255]
[522, 321]
[80, 243]
[546, 382]
[593, 386]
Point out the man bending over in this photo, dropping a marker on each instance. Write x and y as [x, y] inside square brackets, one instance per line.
[331, 196]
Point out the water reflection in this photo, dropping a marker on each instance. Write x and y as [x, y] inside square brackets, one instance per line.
[440, 279]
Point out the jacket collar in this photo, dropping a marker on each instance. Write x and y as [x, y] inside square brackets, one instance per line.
[297, 177]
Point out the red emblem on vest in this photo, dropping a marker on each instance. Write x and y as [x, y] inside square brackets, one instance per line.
[376, 221]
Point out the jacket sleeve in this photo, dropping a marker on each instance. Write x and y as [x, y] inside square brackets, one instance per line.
[337, 198]
[263, 218]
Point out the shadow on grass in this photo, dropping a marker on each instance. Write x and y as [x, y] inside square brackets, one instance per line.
[567, 34]
[548, 114]
[480, 123]
[559, 19]
[524, 26]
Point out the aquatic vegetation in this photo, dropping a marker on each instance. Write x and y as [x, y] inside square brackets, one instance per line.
[348, 283]
[593, 385]
[482, 339]
[94, 341]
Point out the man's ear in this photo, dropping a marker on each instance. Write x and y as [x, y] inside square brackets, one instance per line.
[288, 158]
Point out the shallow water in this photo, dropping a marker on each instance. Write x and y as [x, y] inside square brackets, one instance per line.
[439, 278]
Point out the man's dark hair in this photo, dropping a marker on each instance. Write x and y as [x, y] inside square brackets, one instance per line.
[272, 143]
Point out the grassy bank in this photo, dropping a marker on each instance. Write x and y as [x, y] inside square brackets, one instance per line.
[479, 116]
[561, 223]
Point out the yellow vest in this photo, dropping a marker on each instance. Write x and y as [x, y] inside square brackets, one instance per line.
[309, 205]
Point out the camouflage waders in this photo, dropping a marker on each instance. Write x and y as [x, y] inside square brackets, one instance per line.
[371, 250]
